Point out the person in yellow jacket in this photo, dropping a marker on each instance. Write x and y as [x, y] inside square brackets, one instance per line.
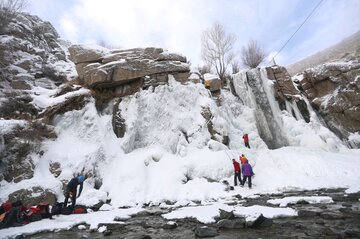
[243, 159]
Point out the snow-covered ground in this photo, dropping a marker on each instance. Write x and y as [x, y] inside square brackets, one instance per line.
[68, 221]
[154, 162]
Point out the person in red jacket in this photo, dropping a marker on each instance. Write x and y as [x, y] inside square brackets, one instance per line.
[237, 172]
[246, 140]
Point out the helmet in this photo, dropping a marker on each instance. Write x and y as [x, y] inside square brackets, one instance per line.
[81, 179]
[243, 155]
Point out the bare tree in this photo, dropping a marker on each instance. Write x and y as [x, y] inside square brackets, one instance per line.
[252, 55]
[9, 10]
[204, 69]
[235, 66]
[216, 49]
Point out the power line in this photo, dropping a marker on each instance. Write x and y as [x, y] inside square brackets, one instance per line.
[298, 28]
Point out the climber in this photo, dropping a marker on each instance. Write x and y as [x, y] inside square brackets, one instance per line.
[243, 159]
[71, 190]
[247, 173]
[237, 172]
[246, 140]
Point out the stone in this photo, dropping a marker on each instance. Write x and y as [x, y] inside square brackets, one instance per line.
[226, 215]
[332, 215]
[259, 222]
[212, 82]
[82, 54]
[107, 232]
[20, 85]
[145, 237]
[170, 225]
[345, 210]
[45, 83]
[121, 67]
[164, 56]
[307, 213]
[352, 233]
[302, 202]
[205, 231]
[283, 79]
[72, 103]
[55, 169]
[231, 224]
[33, 196]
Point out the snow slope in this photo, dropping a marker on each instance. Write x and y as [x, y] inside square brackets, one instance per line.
[346, 48]
[154, 162]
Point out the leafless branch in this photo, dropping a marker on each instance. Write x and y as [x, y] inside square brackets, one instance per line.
[216, 47]
[9, 10]
[252, 55]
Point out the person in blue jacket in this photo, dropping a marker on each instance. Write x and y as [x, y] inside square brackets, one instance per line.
[71, 190]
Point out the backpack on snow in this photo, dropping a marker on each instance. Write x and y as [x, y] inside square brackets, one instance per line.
[11, 218]
[56, 208]
[66, 210]
[79, 209]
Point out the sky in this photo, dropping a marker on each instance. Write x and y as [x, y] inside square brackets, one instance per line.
[177, 25]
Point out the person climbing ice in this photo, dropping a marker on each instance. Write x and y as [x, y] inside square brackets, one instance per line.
[246, 140]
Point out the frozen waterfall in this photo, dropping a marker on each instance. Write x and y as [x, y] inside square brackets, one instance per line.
[255, 90]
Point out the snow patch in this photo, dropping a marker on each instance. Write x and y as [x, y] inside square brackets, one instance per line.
[283, 202]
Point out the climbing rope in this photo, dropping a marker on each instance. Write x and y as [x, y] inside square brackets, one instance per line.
[273, 59]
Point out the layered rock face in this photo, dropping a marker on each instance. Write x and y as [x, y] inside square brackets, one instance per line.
[31, 54]
[31, 57]
[122, 70]
[285, 90]
[334, 90]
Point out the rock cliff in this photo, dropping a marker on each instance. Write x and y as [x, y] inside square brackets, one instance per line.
[124, 70]
[334, 91]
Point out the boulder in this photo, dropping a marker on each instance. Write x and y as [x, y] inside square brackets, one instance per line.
[226, 215]
[170, 225]
[33, 196]
[231, 224]
[55, 169]
[20, 85]
[212, 82]
[205, 231]
[101, 69]
[83, 53]
[261, 221]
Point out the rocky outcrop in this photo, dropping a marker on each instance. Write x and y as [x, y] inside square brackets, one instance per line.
[33, 196]
[334, 91]
[19, 145]
[285, 90]
[31, 54]
[99, 68]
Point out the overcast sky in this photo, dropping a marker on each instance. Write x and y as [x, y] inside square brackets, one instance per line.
[177, 25]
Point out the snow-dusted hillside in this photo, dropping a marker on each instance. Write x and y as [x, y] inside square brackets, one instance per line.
[347, 48]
